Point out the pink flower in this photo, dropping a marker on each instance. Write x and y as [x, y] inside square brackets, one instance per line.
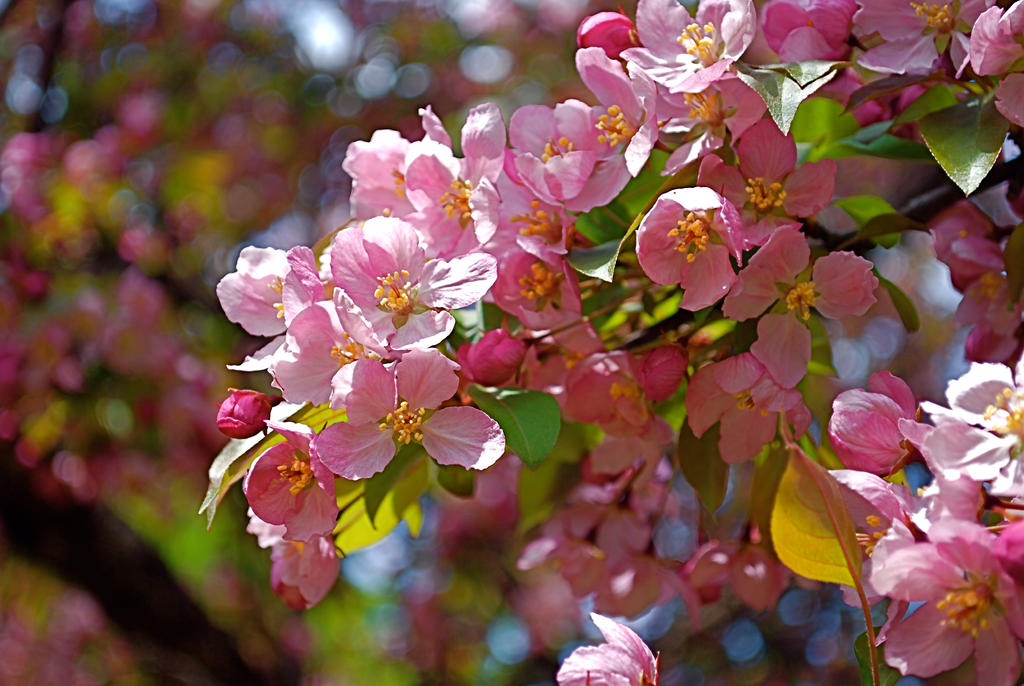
[492, 360]
[624, 660]
[302, 573]
[915, 34]
[628, 112]
[383, 269]
[377, 169]
[387, 407]
[604, 389]
[962, 242]
[686, 54]
[971, 605]
[244, 413]
[251, 295]
[529, 223]
[739, 393]
[456, 201]
[766, 188]
[841, 285]
[661, 371]
[996, 47]
[543, 295]
[1009, 550]
[687, 238]
[808, 29]
[1010, 98]
[704, 120]
[613, 32]
[865, 428]
[289, 485]
[560, 157]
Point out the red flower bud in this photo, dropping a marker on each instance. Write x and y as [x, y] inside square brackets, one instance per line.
[611, 31]
[493, 359]
[244, 413]
[661, 371]
[1009, 550]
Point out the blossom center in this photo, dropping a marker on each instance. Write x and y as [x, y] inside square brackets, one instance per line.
[557, 148]
[938, 16]
[539, 222]
[868, 540]
[989, 284]
[765, 197]
[706, 107]
[692, 234]
[277, 285]
[744, 401]
[699, 41]
[349, 351]
[394, 292]
[399, 182]
[967, 608]
[455, 203]
[405, 423]
[298, 472]
[540, 283]
[801, 297]
[1008, 407]
[614, 126]
[624, 390]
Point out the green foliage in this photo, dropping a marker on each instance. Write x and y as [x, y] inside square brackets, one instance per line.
[784, 86]
[887, 675]
[903, 304]
[965, 139]
[531, 420]
[1013, 258]
[830, 132]
[702, 466]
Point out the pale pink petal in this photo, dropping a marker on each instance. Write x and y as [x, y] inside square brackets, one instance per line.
[973, 393]
[316, 513]
[365, 389]
[921, 646]
[426, 378]
[914, 55]
[483, 142]
[602, 665]
[433, 128]
[463, 436]
[530, 128]
[809, 188]
[779, 261]
[355, 451]
[845, 285]
[766, 153]
[783, 346]
[705, 401]
[997, 655]
[459, 282]
[896, 388]
[708, 279]
[1010, 98]
[423, 330]
[954, 449]
[626, 638]
[610, 176]
[268, 494]
[744, 432]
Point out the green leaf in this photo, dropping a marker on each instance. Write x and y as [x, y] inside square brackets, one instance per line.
[810, 70]
[456, 480]
[381, 483]
[821, 350]
[883, 87]
[598, 261]
[1013, 256]
[356, 529]
[822, 119]
[934, 99]
[234, 459]
[531, 420]
[780, 93]
[965, 140]
[887, 675]
[863, 208]
[811, 528]
[702, 465]
[883, 225]
[768, 469]
[885, 146]
[903, 304]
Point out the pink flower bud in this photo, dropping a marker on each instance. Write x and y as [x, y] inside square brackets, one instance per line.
[1009, 550]
[662, 370]
[244, 413]
[613, 32]
[493, 359]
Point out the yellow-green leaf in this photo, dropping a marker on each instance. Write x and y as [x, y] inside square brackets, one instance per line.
[811, 528]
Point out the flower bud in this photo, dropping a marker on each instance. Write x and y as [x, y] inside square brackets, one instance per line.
[611, 31]
[493, 359]
[1009, 550]
[661, 371]
[244, 413]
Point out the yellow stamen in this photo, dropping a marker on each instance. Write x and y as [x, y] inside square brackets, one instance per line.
[399, 183]
[1008, 409]
[277, 285]
[692, 233]
[938, 16]
[706, 107]
[557, 148]
[299, 473]
[394, 292]
[699, 41]
[456, 202]
[405, 423]
[763, 197]
[349, 351]
[967, 608]
[540, 222]
[626, 390]
[615, 127]
[801, 298]
[540, 283]
[990, 282]
[744, 401]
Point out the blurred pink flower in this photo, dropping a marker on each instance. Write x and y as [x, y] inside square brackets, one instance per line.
[624, 660]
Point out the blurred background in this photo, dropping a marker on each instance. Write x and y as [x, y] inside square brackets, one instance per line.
[144, 143]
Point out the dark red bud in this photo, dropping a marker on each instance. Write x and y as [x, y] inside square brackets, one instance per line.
[661, 371]
[493, 359]
[244, 413]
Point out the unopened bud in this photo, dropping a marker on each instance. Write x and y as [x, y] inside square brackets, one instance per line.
[244, 413]
[1009, 550]
[611, 31]
[493, 359]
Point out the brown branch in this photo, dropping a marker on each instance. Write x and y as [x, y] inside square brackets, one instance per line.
[90, 547]
[49, 63]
